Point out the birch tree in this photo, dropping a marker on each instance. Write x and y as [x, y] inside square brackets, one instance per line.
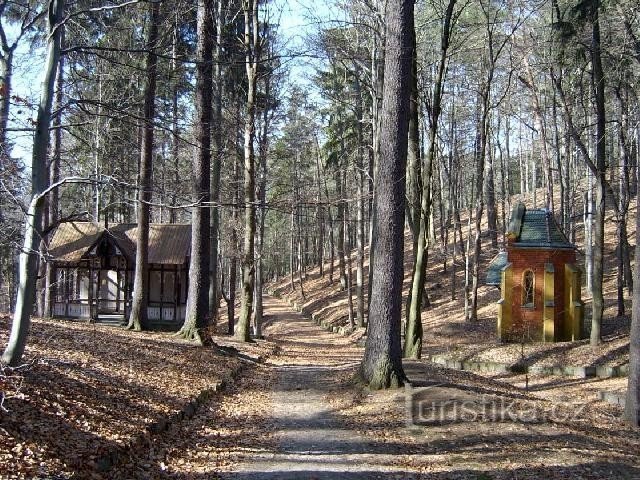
[39, 173]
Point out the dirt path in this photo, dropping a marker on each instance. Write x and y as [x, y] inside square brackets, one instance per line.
[299, 417]
[311, 440]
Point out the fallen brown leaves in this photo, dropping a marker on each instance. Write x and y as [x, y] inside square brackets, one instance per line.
[87, 390]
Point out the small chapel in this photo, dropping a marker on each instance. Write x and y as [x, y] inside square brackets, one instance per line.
[539, 281]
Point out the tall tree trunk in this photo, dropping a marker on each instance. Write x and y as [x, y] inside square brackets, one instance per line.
[214, 288]
[175, 129]
[138, 314]
[322, 172]
[54, 175]
[377, 71]
[292, 250]
[382, 363]
[320, 214]
[632, 404]
[235, 219]
[198, 313]
[601, 166]
[28, 256]
[251, 46]
[480, 155]
[6, 76]
[262, 204]
[337, 174]
[413, 332]
[360, 208]
[347, 242]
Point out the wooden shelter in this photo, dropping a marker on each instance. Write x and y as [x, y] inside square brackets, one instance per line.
[539, 281]
[94, 271]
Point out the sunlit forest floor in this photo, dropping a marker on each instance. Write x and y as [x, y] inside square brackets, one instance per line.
[91, 394]
[94, 401]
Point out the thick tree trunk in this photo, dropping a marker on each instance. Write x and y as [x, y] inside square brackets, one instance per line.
[382, 363]
[138, 314]
[198, 312]
[28, 257]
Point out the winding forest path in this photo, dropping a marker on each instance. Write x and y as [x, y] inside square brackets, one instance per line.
[299, 416]
[311, 440]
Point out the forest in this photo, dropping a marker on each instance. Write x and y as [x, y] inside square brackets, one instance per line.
[249, 174]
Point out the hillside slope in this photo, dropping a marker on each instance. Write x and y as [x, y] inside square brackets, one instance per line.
[445, 328]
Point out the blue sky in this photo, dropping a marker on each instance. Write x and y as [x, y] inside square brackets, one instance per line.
[298, 20]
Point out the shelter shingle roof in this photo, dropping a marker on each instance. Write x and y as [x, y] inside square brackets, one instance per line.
[169, 244]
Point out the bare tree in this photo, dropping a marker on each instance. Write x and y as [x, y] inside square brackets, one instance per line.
[252, 53]
[138, 314]
[29, 254]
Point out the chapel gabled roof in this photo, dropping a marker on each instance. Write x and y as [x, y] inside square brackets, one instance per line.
[169, 244]
[535, 228]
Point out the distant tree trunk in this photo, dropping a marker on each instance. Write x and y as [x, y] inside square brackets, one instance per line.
[251, 46]
[377, 72]
[54, 174]
[329, 215]
[301, 259]
[198, 312]
[175, 129]
[340, 222]
[632, 404]
[624, 197]
[6, 76]
[28, 256]
[540, 127]
[292, 250]
[218, 148]
[481, 147]
[320, 214]
[262, 205]
[360, 206]
[601, 166]
[235, 219]
[347, 233]
[139, 303]
[490, 193]
[382, 363]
